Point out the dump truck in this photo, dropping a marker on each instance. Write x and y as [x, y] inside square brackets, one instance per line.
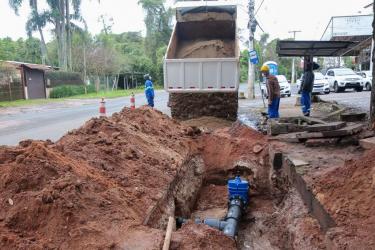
[201, 65]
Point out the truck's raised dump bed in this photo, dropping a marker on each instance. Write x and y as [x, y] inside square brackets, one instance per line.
[201, 67]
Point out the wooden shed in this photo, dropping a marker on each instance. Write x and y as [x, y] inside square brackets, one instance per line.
[32, 79]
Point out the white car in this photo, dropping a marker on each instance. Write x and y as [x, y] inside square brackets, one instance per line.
[343, 78]
[285, 89]
[367, 77]
[321, 84]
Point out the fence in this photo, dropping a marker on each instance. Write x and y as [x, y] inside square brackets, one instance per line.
[11, 87]
[10, 91]
[58, 78]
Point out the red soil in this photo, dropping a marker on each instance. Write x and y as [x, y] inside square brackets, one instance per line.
[349, 195]
[94, 187]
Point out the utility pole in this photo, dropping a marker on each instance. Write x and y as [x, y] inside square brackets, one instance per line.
[293, 64]
[251, 73]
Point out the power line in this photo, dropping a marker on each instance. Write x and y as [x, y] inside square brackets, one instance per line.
[256, 12]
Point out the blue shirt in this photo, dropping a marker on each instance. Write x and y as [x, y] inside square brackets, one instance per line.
[149, 89]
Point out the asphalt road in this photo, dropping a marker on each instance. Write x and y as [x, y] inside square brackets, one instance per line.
[53, 121]
[350, 98]
[48, 122]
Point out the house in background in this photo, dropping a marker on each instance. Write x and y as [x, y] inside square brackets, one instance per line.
[33, 79]
[29, 82]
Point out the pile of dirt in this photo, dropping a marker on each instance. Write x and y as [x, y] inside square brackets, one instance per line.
[236, 150]
[208, 123]
[95, 187]
[348, 193]
[206, 49]
[192, 236]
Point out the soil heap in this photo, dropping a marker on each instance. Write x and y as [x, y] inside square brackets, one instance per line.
[95, 186]
[349, 195]
[214, 48]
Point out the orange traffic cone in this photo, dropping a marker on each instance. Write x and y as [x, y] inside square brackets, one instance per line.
[102, 108]
[132, 101]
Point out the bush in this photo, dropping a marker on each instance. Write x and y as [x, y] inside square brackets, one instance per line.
[70, 90]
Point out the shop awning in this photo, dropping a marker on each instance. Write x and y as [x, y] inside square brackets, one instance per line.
[287, 48]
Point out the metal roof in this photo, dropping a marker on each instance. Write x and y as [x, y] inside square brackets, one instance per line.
[287, 48]
[31, 65]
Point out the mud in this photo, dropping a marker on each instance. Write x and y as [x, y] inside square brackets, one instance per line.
[348, 194]
[215, 48]
[113, 183]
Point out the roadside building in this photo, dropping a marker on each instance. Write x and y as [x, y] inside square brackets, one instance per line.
[21, 80]
[357, 28]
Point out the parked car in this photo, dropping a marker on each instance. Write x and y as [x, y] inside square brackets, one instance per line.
[367, 77]
[321, 84]
[285, 89]
[341, 79]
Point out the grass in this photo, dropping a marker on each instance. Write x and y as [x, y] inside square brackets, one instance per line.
[20, 103]
[107, 95]
[100, 94]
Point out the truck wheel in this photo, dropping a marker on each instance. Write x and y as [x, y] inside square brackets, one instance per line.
[359, 89]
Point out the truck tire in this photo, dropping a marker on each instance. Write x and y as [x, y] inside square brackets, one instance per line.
[359, 89]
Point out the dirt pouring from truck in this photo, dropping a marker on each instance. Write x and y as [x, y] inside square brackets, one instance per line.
[201, 66]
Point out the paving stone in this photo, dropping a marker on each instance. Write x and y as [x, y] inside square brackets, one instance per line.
[298, 162]
[353, 117]
[349, 130]
[368, 143]
[321, 142]
[326, 127]
[334, 115]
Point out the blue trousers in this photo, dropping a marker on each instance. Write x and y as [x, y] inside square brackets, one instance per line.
[150, 101]
[306, 102]
[273, 109]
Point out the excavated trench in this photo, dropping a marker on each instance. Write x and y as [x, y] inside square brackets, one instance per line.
[276, 217]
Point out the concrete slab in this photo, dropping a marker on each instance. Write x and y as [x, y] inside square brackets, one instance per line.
[316, 209]
[298, 162]
[368, 143]
[351, 129]
[353, 117]
[326, 127]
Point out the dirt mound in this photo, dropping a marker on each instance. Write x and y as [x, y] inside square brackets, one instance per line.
[48, 198]
[94, 186]
[233, 150]
[349, 194]
[208, 123]
[206, 49]
[192, 236]
[141, 150]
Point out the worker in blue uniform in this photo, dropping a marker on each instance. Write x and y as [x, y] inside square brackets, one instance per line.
[307, 86]
[149, 90]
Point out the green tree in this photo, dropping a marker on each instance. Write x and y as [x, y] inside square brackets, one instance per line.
[158, 30]
[36, 22]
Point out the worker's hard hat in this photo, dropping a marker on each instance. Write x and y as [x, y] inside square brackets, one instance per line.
[146, 77]
[265, 68]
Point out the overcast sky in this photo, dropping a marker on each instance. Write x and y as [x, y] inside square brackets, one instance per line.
[276, 17]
